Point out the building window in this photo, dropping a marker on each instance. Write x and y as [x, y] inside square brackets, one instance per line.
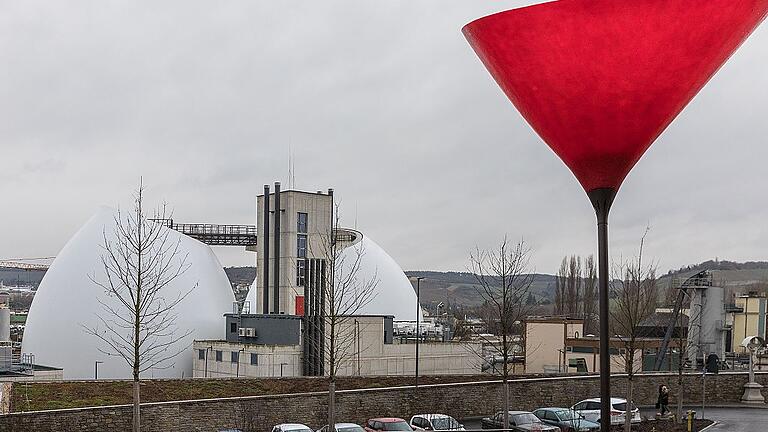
[254, 359]
[201, 354]
[219, 355]
[233, 327]
[301, 222]
[235, 357]
[301, 245]
[301, 272]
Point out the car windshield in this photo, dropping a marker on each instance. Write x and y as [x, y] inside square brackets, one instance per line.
[445, 423]
[527, 418]
[397, 426]
[566, 415]
[350, 429]
[623, 406]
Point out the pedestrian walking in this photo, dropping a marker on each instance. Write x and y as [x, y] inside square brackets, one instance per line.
[662, 403]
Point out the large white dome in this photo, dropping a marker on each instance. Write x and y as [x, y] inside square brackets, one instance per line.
[67, 300]
[394, 293]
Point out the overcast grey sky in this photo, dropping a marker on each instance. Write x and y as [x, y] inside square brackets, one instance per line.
[383, 101]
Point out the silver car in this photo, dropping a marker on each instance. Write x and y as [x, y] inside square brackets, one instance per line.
[590, 409]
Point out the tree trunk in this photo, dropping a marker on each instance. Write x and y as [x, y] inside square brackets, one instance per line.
[628, 411]
[136, 409]
[332, 406]
[680, 392]
[506, 401]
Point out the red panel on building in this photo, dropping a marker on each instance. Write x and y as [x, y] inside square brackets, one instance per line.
[300, 305]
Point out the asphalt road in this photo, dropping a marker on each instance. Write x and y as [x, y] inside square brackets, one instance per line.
[737, 419]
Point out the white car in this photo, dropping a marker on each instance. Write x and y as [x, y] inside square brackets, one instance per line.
[435, 422]
[590, 409]
[344, 427]
[291, 427]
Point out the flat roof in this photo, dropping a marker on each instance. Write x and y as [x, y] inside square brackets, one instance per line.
[282, 191]
[269, 316]
[552, 319]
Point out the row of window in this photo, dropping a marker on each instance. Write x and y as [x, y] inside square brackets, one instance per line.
[302, 219]
[234, 356]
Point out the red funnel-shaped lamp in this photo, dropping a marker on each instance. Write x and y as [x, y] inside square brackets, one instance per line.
[600, 80]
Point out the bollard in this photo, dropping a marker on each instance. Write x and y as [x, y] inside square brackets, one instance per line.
[691, 413]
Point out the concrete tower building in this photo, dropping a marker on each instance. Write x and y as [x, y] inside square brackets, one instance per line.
[291, 248]
[292, 258]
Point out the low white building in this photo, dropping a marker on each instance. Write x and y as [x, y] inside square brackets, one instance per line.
[366, 348]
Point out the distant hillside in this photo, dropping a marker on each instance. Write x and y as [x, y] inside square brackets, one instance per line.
[460, 288]
[740, 276]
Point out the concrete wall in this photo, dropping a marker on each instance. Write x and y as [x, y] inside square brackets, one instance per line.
[272, 360]
[260, 413]
[545, 343]
[394, 359]
[751, 322]
[361, 349]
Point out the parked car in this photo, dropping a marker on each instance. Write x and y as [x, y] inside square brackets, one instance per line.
[344, 427]
[291, 427]
[566, 420]
[590, 409]
[435, 422]
[519, 421]
[387, 424]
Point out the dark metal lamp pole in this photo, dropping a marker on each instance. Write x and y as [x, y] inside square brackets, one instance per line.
[601, 200]
[418, 328]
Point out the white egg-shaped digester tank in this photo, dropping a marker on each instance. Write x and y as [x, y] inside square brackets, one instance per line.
[394, 294]
[68, 301]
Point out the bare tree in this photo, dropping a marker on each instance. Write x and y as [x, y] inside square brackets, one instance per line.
[346, 292]
[504, 282]
[589, 301]
[635, 299]
[137, 322]
[568, 288]
[561, 287]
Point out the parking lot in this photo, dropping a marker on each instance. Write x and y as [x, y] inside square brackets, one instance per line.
[734, 419]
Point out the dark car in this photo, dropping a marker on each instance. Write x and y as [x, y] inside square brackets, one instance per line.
[566, 419]
[387, 424]
[519, 421]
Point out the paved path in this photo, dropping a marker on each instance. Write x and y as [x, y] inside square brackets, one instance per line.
[737, 419]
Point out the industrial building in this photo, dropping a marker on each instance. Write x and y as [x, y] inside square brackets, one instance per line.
[369, 349]
[282, 329]
[707, 325]
[280, 322]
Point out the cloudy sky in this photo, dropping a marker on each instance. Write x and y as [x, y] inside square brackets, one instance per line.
[383, 101]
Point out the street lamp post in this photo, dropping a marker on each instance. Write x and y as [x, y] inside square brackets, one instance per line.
[418, 327]
[595, 106]
[96, 369]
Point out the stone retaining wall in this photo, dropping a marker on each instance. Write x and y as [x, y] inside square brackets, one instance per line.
[260, 413]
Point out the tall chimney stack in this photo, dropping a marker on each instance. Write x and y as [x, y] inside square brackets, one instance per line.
[265, 240]
[276, 272]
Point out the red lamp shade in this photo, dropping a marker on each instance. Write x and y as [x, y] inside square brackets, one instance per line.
[599, 80]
